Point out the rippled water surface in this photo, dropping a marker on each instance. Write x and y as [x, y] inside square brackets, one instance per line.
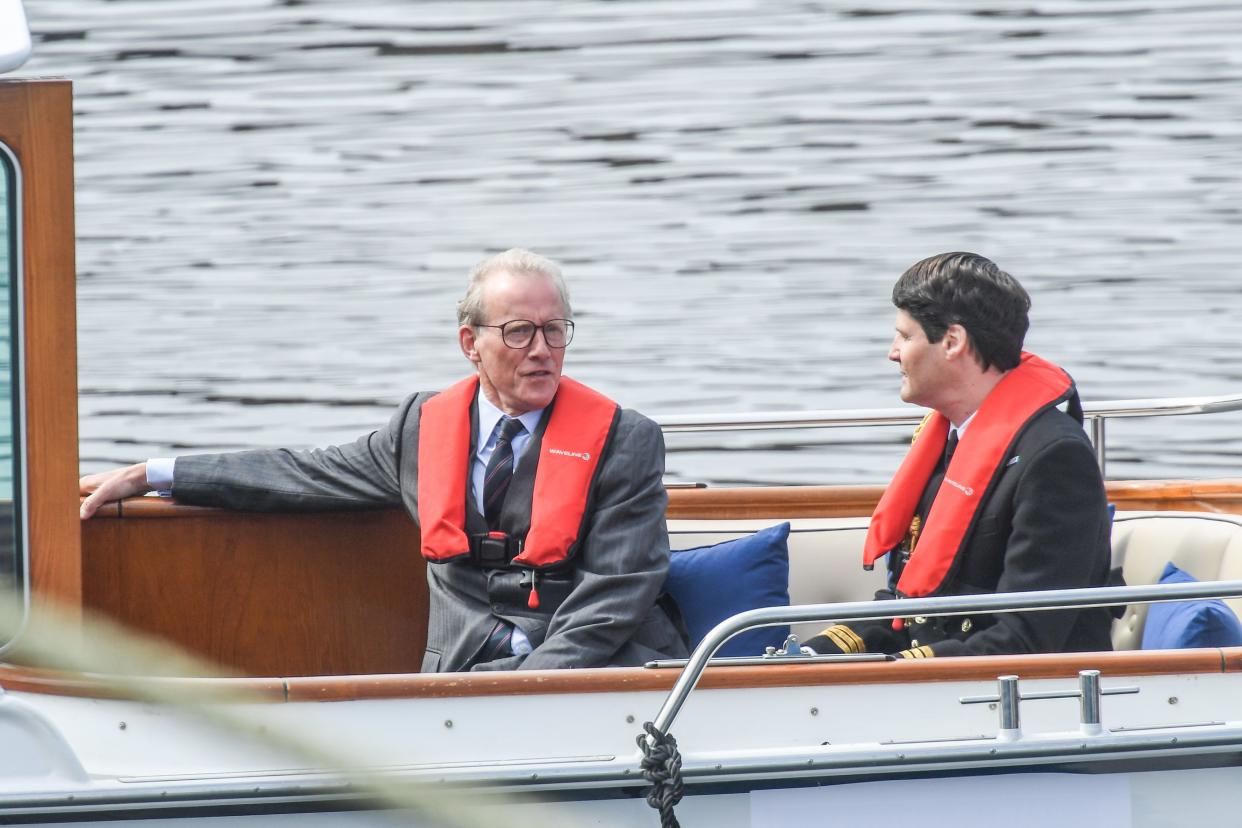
[277, 204]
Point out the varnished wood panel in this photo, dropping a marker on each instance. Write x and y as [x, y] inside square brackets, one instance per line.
[267, 595]
[345, 593]
[36, 123]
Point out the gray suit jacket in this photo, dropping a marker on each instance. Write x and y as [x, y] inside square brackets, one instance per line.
[599, 611]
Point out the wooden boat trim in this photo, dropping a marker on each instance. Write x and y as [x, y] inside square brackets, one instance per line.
[817, 501]
[15, 678]
[853, 501]
[338, 688]
[36, 123]
[18, 678]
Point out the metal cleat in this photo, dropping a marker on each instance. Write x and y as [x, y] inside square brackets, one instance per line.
[790, 649]
[1008, 700]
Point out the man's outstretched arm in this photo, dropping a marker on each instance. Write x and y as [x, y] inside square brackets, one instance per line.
[361, 473]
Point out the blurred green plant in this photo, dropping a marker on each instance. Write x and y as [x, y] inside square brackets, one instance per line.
[142, 668]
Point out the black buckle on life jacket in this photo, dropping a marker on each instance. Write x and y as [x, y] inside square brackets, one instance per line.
[493, 550]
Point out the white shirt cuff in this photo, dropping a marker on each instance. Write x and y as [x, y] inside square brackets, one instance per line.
[160, 473]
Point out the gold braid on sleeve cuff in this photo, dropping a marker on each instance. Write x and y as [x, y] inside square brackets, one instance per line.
[918, 652]
[845, 638]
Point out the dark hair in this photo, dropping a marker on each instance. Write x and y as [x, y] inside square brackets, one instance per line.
[969, 290]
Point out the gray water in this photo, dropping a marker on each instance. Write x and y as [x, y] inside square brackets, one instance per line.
[277, 204]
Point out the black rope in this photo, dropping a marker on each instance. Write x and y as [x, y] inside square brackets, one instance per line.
[662, 768]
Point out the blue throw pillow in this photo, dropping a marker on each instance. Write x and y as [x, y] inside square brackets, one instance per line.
[1185, 624]
[710, 583]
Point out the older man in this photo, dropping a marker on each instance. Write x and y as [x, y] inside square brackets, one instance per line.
[1000, 491]
[540, 501]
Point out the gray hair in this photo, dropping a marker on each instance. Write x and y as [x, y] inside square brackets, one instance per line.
[470, 309]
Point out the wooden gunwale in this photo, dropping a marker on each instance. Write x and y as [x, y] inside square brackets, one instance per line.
[628, 680]
[819, 501]
[853, 501]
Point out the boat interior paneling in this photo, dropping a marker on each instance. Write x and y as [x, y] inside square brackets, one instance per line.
[265, 595]
[344, 593]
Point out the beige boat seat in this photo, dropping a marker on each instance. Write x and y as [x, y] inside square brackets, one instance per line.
[1207, 546]
[825, 556]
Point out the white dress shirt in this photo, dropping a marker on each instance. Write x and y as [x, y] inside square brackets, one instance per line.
[961, 429]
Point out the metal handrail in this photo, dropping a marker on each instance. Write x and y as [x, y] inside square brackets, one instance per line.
[1095, 412]
[950, 605]
[760, 420]
[842, 418]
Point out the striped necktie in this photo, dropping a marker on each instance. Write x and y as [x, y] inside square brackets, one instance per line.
[499, 471]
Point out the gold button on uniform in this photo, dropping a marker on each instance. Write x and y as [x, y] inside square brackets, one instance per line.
[920, 619]
[966, 625]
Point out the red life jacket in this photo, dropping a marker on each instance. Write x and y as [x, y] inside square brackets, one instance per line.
[573, 442]
[1026, 391]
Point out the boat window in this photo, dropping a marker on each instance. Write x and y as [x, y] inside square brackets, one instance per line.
[12, 546]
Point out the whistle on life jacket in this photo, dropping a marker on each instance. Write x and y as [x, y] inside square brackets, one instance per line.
[532, 600]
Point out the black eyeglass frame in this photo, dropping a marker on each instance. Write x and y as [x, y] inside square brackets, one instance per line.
[535, 329]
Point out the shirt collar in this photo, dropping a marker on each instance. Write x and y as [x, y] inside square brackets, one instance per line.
[961, 429]
[489, 415]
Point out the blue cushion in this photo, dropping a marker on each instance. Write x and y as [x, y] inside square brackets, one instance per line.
[1207, 623]
[710, 583]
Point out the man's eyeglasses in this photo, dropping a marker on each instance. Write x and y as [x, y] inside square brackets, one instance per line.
[519, 333]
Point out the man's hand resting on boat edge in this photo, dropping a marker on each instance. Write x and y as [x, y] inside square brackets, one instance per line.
[111, 486]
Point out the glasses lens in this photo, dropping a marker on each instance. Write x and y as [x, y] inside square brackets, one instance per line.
[558, 332]
[518, 333]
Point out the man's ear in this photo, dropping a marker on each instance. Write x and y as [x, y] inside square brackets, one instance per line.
[956, 342]
[467, 338]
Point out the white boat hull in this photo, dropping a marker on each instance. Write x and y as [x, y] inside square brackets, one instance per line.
[752, 757]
